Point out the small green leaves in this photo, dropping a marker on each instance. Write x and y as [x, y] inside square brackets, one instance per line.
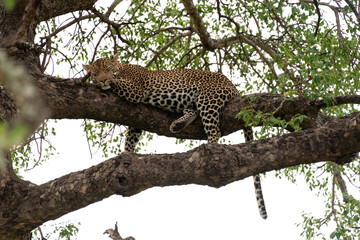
[61, 231]
[268, 122]
[9, 4]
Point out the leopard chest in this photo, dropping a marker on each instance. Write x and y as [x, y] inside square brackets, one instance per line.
[174, 99]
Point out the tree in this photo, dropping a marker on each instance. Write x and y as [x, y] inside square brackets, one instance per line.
[300, 74]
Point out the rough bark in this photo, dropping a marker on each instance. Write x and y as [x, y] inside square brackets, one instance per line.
[211, 164]
[24, 206]
[73, 99]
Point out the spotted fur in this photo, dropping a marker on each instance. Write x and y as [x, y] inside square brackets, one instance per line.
[249, 136]
[192, 92]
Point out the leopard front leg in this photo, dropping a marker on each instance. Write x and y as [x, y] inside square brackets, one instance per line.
[132, 138]
[179, 124]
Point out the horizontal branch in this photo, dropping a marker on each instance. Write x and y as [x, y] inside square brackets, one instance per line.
[74, 99]
[213, 165]
[51, 9]
[339, 100]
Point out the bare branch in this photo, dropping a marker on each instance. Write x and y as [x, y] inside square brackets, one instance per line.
[336, 12]
[115, 235]
[342, 185]
[76, 20]
[237, 26]
[198, 54]
[319, 16]
[116, 26]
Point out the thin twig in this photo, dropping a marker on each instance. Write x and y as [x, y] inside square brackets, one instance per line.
[169, 44]
[319, 17]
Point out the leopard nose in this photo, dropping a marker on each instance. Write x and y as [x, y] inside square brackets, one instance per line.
[101, 79]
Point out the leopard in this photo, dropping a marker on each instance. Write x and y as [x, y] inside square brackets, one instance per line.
[192, 92]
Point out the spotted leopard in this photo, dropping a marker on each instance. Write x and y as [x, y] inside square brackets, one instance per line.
[195, 93]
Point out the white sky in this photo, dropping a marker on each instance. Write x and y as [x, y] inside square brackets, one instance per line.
[181, 212]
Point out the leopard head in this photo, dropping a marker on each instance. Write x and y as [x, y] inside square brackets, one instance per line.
[103, 71]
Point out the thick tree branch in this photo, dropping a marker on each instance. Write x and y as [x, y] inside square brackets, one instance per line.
[211, 164]
[28, 19]
[74, 99]
[51, 9]
[200, 28]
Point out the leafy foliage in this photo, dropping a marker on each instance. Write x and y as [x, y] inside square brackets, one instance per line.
[37, 150]
[65, 231]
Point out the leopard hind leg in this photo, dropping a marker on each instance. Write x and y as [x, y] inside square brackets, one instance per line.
[210, 117]
[179, 124]
[132, 138]
[257, 182]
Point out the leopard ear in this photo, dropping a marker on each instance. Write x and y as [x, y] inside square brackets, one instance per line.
[87, 67]
[115, 58]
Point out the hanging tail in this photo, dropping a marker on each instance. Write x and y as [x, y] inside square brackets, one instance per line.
[257, 182]
[259, 196]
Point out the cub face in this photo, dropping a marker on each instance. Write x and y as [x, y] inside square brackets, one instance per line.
[103, 71]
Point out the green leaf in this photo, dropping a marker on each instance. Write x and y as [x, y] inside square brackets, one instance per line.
[9, 4]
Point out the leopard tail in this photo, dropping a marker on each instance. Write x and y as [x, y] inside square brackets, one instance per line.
[257, 182]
